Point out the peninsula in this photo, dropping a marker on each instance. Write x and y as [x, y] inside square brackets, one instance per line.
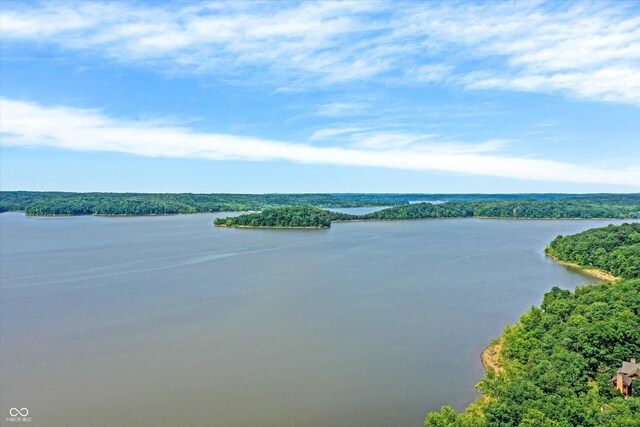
[609, 253]
[618, 207]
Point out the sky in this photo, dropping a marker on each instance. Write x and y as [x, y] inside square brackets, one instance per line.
[354, 96]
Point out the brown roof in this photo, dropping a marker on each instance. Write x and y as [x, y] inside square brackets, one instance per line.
[629, 372]
[629, 369]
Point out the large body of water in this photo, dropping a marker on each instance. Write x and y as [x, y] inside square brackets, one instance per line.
[169, 321]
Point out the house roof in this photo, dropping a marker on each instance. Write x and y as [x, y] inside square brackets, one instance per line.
[630, 369]
[629, 372]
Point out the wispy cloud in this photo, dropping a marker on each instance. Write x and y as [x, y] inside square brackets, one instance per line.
[430, 73]
[332, 133]
[421, 143]
[32, 125]
[207, 37]
[341, 109]
[588, 50]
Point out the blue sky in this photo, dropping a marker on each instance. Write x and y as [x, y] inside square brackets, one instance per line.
[320, 96]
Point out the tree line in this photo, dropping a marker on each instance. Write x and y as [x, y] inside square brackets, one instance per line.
[584, 207]
[59, 203]
[455, 205]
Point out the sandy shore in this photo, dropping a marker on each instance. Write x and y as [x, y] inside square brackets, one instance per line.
[271, 228]
[591, 271]
[491, 357]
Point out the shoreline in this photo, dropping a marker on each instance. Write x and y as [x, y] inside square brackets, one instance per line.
[123, 215]
[490, 356]
[490, 359]
[486, 217]
[272, 228]
[591, 271]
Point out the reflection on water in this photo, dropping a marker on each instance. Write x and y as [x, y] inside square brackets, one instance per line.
[170, 321]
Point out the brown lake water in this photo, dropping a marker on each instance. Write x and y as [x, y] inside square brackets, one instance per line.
[168, 321]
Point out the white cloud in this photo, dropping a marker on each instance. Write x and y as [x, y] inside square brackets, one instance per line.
[607, 84]
[584, 50]
[206, 37]
[28, 124]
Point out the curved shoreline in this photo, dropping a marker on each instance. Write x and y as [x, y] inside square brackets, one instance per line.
[490, 356]
[591, 271]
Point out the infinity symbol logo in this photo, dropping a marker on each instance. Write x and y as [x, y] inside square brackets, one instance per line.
[14, 412]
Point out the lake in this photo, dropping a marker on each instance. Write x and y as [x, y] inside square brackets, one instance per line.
[169, 321]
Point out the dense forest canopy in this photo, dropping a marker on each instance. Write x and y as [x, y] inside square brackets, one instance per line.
[404, 198]
[613, 248]
[288, 217]
[558, 360]
[458, 205]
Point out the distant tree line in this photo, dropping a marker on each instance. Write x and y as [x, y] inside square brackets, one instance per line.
[458, 206]
[595, 207]
[58, 203]
[288, 217]
[583, 207]
[558, 360]
[404, 198]
[613, 248]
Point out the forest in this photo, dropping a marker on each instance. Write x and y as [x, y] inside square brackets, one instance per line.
[584, 207]
[615, 249]
[287, 217]
[404, 205]
[58, 203]
[558, 359]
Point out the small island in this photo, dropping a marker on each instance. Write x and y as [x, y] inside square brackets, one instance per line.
[305, 217]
